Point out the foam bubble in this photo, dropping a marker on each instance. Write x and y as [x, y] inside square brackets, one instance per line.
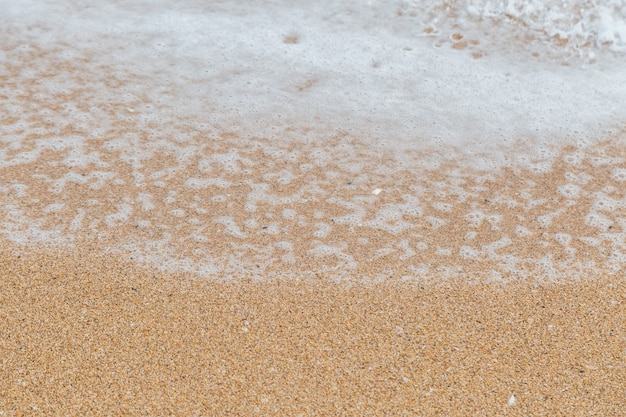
[475, 218]
[199, 183]
[272, 229]
[406, 247]
[54, 208]
[498, 244]
[230, 162]
[204, 165]
[494, 220]
[382, 252]
[19, 190]
[321, 122]
[546, 220]
[323, 250]
[619, 174]
[603, 202]
[435, 222]
[77, 221]
[251, 224]
[284, 245]
[322, 230]
[522, 231]
[599, 221]
[570, 191]
[445, 207]
[389, 218]
[99, 179]
[178, 213]
[120, 217]
[231, 226]
[563, 238]
[467, 252]
[146, 201]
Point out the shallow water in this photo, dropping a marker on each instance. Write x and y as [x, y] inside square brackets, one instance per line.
[363, 139]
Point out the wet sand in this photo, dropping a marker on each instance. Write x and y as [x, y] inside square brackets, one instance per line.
[88, 335]
[145, 169]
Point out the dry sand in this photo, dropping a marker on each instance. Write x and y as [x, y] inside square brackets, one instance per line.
[83, 335]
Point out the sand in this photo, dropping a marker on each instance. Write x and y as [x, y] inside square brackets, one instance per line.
[381, 277]
[379, 282]
[445, 292]
[89, 335]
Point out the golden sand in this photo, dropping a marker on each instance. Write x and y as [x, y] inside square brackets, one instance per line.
[86, 336]
[85, 333]
[512, 304]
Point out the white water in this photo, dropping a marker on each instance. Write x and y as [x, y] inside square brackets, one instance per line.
[113, 89]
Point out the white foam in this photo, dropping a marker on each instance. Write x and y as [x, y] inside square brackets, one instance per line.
[231, 227]
[171, 197]
[272, 229]
[445, 207]
[77, 221]
[599, 221]
[355, 217]
[178, 212]
[579, 179]
[619, 174]
[231, 161]
[435, 222]
[522, 231]
[285, 245]
[563, 238]
[371, 84]
[603, 202]
[346, 105]
[421, 246]
[406, 247]
[322, 230]
[345, 260]
[120, 217]
[53, 208]
[390, 219]
[498, 244]
[475, 218]
[575, 26]
[468, 252]
[20, 190]
[146, 201]
[100, 179]
[382, 252]
[546, 219]
[571, 191]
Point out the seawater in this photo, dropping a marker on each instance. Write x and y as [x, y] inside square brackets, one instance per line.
[367, 139]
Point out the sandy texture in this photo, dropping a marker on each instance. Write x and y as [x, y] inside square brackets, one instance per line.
[189, 235]
[86, 336]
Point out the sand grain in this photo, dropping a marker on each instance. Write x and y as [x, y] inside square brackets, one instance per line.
[87, 336]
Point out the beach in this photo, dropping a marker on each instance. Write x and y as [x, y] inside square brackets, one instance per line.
[86, 335]
[87, 329]
[299, 209]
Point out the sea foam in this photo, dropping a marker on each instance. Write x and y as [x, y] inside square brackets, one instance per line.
[245, 137]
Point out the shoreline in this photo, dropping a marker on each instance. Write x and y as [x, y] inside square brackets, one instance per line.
[238, 208]
[90, 335]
